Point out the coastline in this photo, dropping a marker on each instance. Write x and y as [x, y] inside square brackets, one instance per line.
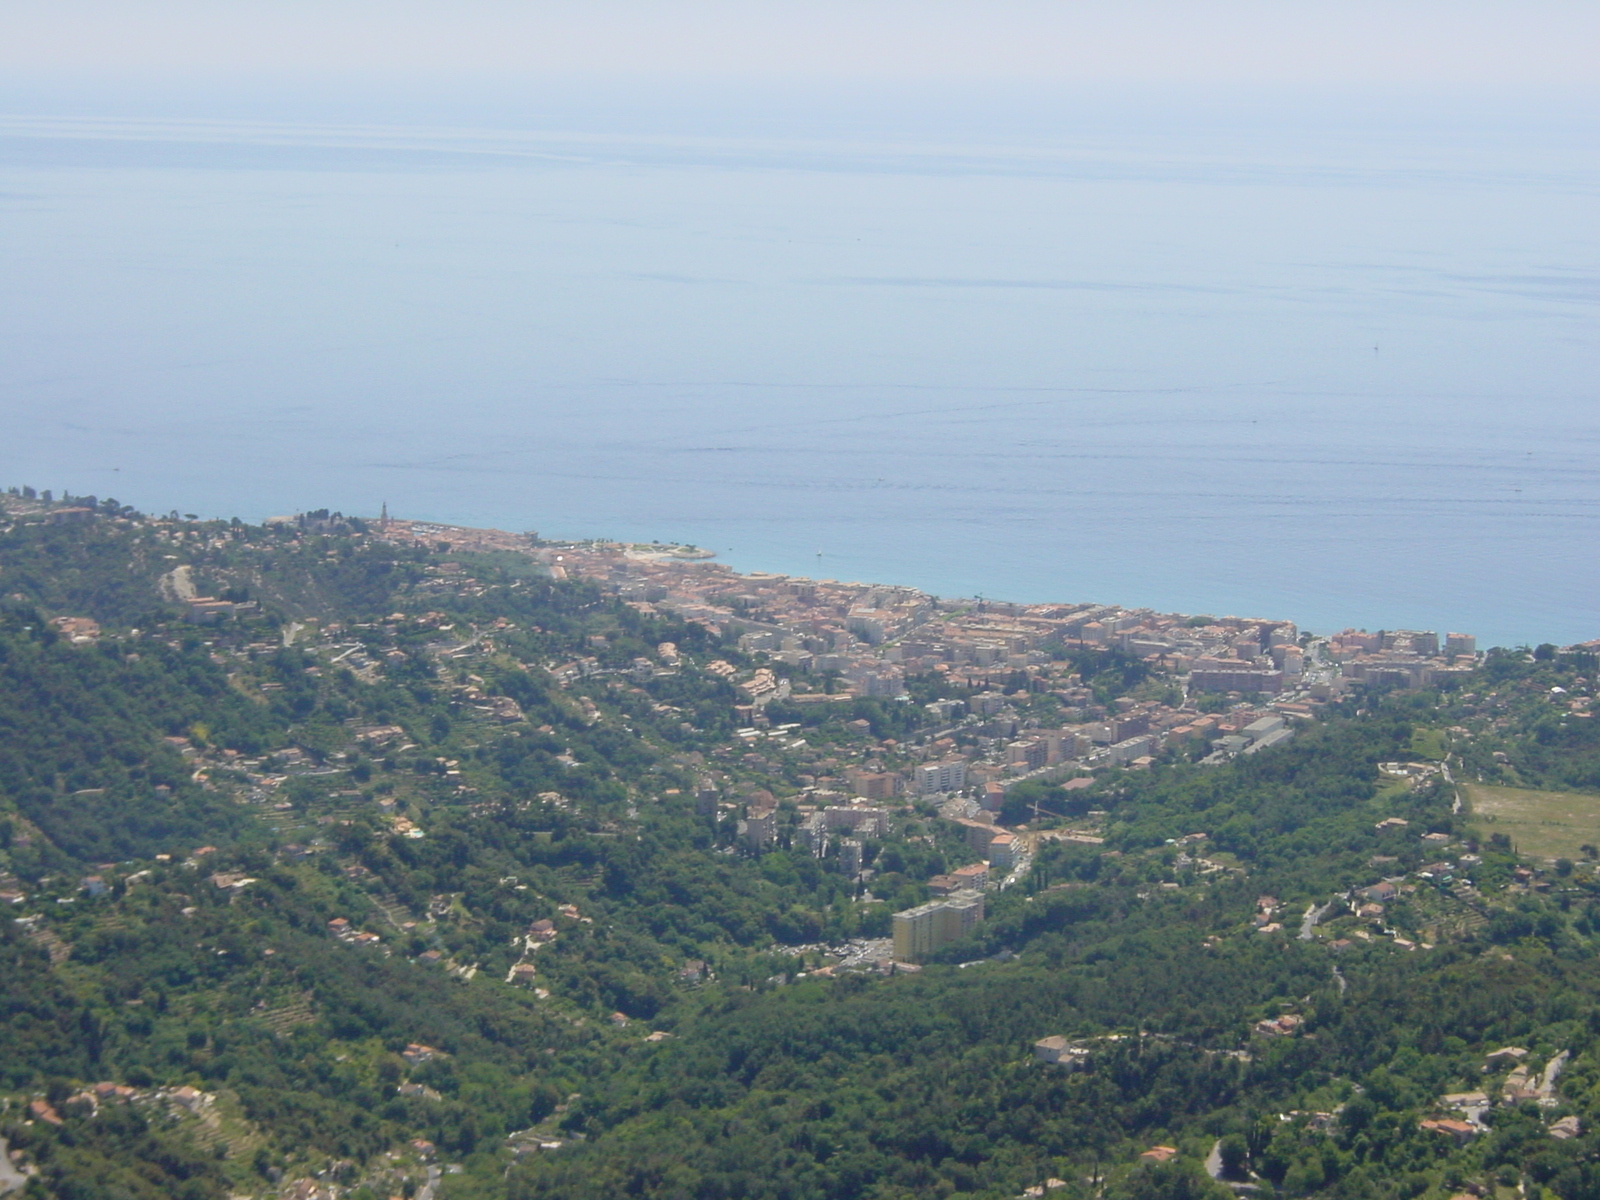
[868, 639]
[623, 563]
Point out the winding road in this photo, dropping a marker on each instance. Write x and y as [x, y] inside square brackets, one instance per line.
[11, 1179]
[1308, 923]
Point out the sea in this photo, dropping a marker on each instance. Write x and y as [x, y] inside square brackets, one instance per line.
[1310, 358]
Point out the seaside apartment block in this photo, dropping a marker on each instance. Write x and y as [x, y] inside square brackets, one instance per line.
[920, 931]
[947, 776]
[1218, 675]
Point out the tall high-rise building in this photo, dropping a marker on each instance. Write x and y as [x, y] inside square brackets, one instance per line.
[874, 785]
[948, 776]
[705, 798]
[760, 828]
[920, 931]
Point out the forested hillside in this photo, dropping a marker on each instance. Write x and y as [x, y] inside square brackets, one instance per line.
[341, 864]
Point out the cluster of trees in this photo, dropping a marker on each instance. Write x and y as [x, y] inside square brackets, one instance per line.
[774, 1082]
[83, 757]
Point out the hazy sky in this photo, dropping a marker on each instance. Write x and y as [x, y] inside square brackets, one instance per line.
[1387, 43]
[1051, 300]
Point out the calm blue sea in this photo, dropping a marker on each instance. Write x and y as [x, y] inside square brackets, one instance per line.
[1337, 371]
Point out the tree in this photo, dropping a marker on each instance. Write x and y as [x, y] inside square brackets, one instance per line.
[1168, 1181]
[1234, 1151]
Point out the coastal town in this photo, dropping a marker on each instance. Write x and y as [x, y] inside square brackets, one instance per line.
[998, 731]
[1012, 709]
[681, 780]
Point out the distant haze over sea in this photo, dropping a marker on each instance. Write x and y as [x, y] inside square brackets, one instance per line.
[1304, 360]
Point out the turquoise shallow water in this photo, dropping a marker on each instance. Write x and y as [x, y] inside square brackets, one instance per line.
[1340, 376]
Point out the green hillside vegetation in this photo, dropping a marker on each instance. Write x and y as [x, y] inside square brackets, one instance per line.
[362, 880]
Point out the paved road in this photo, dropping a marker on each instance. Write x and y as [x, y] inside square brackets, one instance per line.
[1547, 1086]
[11, 1179]
[1214, 1169]
[1314, 914]
[1019, 872]
[1444, 769]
